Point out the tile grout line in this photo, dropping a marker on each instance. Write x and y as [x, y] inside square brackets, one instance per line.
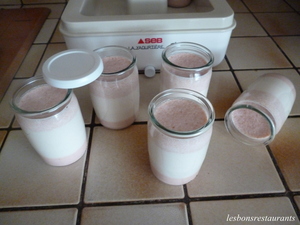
[289, 192]
[81, 204]
[187, 201]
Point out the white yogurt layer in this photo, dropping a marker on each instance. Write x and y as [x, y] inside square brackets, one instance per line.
[58, 136]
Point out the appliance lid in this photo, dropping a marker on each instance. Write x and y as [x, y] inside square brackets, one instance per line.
[80, 18]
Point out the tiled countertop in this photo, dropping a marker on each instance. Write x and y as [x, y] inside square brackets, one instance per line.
[113, 183]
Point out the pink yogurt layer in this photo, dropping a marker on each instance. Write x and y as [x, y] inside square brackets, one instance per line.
[187, 60]
[251, 123]
[41, 98]
[180, 115]
[114, 64]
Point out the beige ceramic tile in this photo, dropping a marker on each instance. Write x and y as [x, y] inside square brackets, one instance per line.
[222, 66]
[149, 87]
[280, 23]
[255, 53]
[6, 113]
[10, 2]
[57, 36]
[27, 181]
[285, 148]
[247, 77]
[42, 1]
[56, 9]
[3, 134]
[10, 6]
[222, 100]
[166, 214]
[31, 61]
[297, 200]
[232, 168]
[226, 211]
[45, 217]
[268, 6]
[237, 6]
[46, 31]
[247, 26]
[294, 3]
[85, 103]
[50, 51]
[119, 168]
[291, 47]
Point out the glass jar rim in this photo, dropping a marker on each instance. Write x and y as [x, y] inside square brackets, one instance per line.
[31, 83]
[235, 133]
[117, 47]
[187, 134]
[200, 48]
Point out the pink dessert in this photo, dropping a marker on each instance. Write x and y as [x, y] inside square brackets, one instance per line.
[181, 115]
[116, 97]
[172, 77]
[177, 160]
[251, 123]
[187, 60]
[42, 98]
[58, 137]
[114, 64]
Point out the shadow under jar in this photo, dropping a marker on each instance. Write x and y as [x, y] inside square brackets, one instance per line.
[52, 121]
[115, 94]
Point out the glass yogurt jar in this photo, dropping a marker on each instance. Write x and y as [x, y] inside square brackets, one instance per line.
[51, 120]
[258, 114]
[48, 110]
[180, 126]
[115, 94]
[186, 65]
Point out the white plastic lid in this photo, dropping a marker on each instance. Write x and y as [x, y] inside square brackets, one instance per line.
[72, 68]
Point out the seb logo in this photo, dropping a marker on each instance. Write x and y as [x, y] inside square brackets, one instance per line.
[150, 41]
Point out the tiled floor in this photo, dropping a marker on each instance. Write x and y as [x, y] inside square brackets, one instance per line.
[113, 183]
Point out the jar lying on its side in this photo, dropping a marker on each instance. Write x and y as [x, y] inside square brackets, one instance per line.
[258, 114]
[52, 121]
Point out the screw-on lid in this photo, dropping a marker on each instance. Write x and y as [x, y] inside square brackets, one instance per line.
[72, 68]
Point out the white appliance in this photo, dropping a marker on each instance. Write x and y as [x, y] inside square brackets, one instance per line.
[147, 30]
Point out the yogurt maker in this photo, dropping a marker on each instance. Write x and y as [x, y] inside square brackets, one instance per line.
[147, 26]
